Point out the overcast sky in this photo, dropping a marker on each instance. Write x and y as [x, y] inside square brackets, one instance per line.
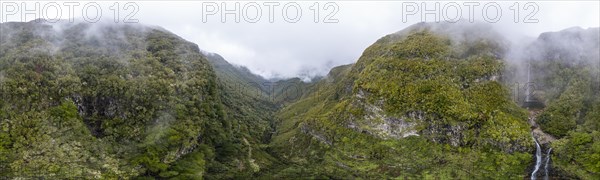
[285, 49]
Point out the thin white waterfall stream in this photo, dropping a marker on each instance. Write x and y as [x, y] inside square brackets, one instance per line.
[538, 156]
[546, 165]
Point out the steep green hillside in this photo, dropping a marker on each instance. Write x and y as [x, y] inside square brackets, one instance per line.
[433, 101]
[107, 101]
[418, 104]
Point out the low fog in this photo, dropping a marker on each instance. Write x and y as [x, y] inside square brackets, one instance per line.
[306, 49]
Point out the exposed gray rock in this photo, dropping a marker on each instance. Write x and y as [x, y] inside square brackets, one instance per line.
[316, 134]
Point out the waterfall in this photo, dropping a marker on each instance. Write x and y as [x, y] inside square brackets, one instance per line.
[538, 156]
[546, 165]
[527, 88]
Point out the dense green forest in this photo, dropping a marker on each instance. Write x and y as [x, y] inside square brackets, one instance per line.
[109, 101]
[433, 101]
[417, 104]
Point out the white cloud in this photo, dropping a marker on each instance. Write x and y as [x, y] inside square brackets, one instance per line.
[289, 49]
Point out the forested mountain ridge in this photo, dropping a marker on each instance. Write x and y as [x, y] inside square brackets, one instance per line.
[425, 102]
[378, 107]
[106, 101]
